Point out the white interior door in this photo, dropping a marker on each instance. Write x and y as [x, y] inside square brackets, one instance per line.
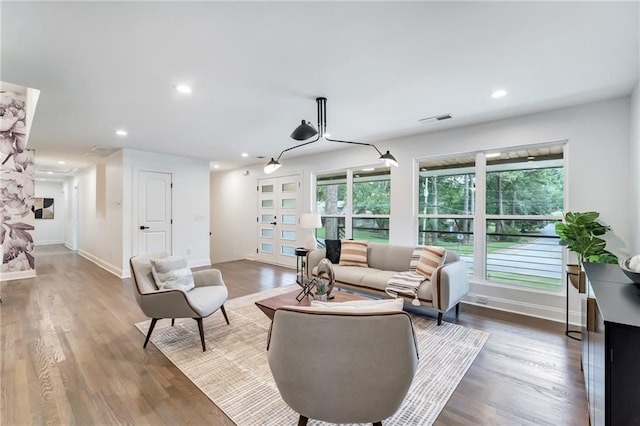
[154, 212]
[278, 218]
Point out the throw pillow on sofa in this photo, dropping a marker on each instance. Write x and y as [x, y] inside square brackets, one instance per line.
[360, 306]
[430, 259]
[353, 253]
[172, 272]
[333, 250]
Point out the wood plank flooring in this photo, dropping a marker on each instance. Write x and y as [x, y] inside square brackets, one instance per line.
[70, 354]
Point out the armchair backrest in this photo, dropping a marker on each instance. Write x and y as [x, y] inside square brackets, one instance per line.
[141, 273]
[342, 368]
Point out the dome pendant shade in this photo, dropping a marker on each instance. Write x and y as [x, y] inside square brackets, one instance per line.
[388, 159]
[303, 131]
[272, 166]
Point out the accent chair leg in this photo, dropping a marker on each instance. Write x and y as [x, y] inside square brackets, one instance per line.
[439, 318]
[224, 312]
[457, 309]
[201, 329]
[153, 324]
[377, 423]
[173, 321]
[302, 421]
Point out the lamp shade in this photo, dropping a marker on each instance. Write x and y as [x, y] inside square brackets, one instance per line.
[272, 166]
[388, 159]
[311, 221]
[303, 131]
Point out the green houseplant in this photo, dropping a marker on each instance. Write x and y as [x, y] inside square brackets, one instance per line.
[580, 232]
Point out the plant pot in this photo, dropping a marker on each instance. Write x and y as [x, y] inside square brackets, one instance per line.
[320, 297]
[576, 277]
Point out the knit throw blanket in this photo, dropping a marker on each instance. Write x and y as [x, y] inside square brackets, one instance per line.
[405, 283]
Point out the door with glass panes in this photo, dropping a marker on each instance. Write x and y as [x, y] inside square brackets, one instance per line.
[278, 212]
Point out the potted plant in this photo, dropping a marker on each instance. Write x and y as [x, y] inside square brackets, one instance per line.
[580, 232]
[321, 290]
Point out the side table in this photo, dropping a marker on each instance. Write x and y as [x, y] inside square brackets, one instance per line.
[301, 264]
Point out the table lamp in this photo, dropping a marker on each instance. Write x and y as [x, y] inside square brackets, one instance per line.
[310, 221]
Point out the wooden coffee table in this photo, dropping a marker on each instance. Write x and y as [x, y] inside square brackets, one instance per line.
[269, 306]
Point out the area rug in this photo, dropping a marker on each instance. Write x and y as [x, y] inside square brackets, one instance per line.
[235, 375]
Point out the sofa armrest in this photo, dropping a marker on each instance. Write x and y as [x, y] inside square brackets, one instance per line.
[313, 258]
[450, 283]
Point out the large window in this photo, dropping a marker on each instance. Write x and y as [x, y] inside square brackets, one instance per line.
[521, 195]
[446, 200]
[354, 204]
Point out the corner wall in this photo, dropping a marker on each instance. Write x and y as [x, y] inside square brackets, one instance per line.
[634, 165]
[51, 231]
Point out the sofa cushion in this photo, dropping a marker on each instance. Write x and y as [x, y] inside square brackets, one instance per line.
[333, 250]
[351, 274]
[353, 253]
[172, 272]
[389, 257]
[431, 258]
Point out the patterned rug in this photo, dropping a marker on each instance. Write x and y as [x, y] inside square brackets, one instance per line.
[235, 375]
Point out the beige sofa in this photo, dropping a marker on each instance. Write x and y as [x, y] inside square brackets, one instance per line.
[448, 286]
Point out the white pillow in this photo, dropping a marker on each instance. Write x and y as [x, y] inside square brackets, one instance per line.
[359, 306]
[172, 272]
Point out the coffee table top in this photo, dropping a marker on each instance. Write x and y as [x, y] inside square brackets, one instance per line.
[269, 306]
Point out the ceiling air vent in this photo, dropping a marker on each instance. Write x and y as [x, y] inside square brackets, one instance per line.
[99, 151]
[435, 118]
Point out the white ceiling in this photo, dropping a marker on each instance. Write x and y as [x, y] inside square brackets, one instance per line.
[256, 68]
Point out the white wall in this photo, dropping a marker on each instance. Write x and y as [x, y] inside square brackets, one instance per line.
[100, 239]
[598, 170]
[634, 164]
[190, 204]
[51, 231]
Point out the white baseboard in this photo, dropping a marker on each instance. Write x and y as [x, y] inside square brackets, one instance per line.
[47, 242]
[529, 309]
[17, 275]
[118, 272]
[196, 263]
[69, 246]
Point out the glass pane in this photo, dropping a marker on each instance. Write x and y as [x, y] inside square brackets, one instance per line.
[289, 219]
[267, 203]
[267, 218]
[524, 252]
[266, 233]
[290, 187]
[288, 235]
[371, 229]
[331, 194]
[333, 228]
[289, 203]
[514, 189]
[267, 188]
[454, 234]
[446, 191]
[372, 191]
[267, 248]
[288, 251]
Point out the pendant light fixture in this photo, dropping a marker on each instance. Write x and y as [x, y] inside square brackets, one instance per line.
[305, 131]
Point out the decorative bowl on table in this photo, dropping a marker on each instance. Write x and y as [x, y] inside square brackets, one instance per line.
[631, 268]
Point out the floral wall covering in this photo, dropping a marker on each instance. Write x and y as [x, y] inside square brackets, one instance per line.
[16, 188]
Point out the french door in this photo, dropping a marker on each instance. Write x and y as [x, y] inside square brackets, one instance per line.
[278, 213]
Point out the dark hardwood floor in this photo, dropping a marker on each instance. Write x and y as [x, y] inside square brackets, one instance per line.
[71, 355]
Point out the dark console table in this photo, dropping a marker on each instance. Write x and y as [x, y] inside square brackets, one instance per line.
[611, 346]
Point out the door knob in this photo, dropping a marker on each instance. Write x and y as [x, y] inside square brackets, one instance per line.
[142, 227]
[273, 223]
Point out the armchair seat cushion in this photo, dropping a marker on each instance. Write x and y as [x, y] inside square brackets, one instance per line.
[206, 300]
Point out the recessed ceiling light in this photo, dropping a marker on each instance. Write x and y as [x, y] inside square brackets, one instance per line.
[244, 154]
[216, 166]
[61, 162]
[183, 88]
[121, 132]
[499, 93]
[493, 155]
[50, 173]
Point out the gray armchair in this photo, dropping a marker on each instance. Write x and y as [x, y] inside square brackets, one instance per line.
[342, 367]
[209, 294]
